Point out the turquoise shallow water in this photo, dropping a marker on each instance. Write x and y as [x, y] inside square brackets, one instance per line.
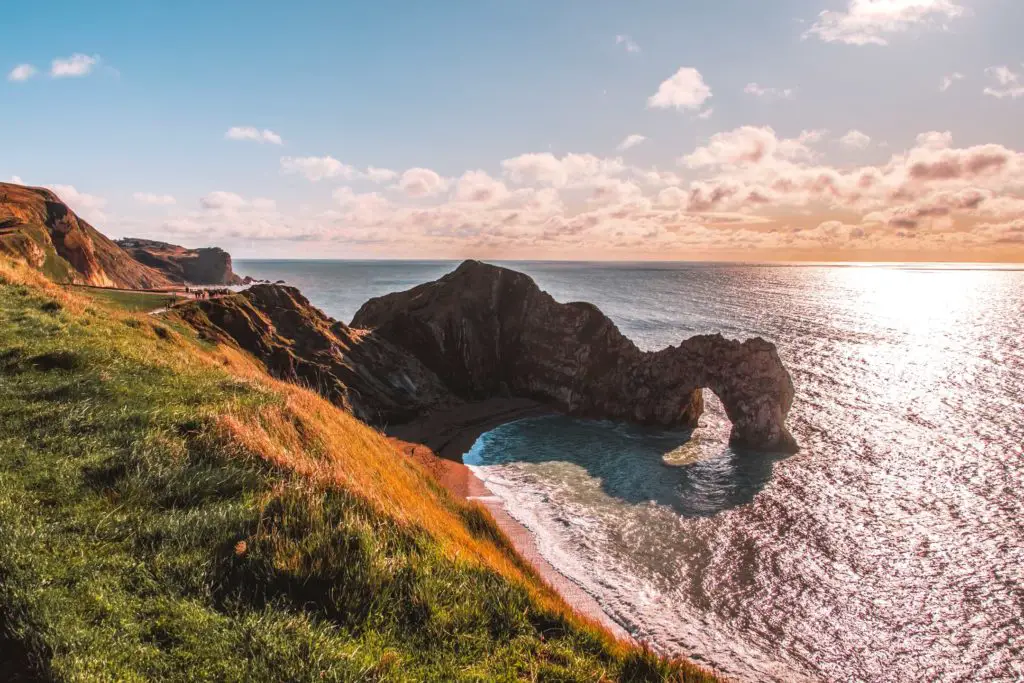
[890, 548]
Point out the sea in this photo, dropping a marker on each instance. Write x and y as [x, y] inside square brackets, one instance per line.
[890, 548]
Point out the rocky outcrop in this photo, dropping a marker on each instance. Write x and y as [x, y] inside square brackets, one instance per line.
[379, 382]
[35, 225]
[489, 331]
[483, 332]
[206, 266]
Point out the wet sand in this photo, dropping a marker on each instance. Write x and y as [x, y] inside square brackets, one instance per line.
[439, 440]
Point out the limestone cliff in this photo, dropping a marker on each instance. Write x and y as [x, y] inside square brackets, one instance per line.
[35, 225]
[206, 266]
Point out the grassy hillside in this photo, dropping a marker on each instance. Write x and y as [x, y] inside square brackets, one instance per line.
[169, 512]
[142, 302]
[32, 244]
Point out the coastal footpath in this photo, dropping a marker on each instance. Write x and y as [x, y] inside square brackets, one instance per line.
[172, 509]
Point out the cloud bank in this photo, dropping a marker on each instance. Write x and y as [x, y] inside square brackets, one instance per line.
[741, 189]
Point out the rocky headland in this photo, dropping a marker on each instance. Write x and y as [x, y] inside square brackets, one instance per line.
[206, 266]
[484, 333]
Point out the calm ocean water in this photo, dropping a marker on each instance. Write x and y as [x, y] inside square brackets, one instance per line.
[891, 548]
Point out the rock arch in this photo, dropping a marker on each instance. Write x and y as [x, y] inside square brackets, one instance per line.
[487, 331]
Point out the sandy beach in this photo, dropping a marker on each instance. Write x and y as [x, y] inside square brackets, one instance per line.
[438, 442]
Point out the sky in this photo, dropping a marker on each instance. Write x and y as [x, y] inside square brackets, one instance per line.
[753, 130]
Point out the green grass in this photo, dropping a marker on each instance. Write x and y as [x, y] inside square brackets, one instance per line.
[127, 300]
[139, 541]
[25, 239]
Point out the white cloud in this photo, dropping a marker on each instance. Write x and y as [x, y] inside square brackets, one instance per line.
[362, 206]
[154, 199]
[932, 186]
[327, 167]
[614, 191]
[344, 195]
[867, 22]
[761, 91]
[17, 180]
[380, 175]
[948, 81]
[746, 145]
[255, 134]
[21, 73]
[571, 170]
[73, 66]
[672, 197]
[628, 43]
[935, 140]
[810, 137]
[631, 141]
[706, 114]
[421, 182]
[1006, 83]
[686, 89]
[478, 186]
[221, 202]
[656, 178]
[316, 169]
[855, 139]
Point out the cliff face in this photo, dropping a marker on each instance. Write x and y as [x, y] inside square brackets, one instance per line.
[491, 331]
[208, 266]
[379, 382]
[483, 332]
[35, 225]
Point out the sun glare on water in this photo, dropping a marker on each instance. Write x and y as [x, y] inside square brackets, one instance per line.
[910, 299]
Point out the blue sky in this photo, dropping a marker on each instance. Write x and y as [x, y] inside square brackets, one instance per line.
[459, 86]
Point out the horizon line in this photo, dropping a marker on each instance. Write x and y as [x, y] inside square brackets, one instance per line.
[1000, 265]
